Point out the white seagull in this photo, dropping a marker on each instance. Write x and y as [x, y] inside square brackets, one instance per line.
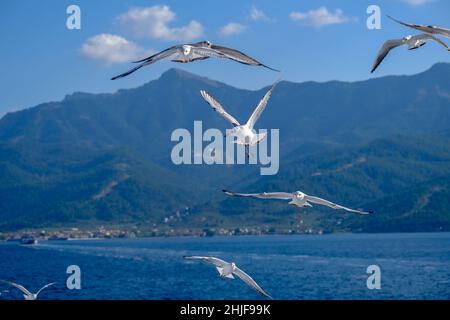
[424, 28]
[185, 53]
[413, 42]
[226, 270]
[244, 133]
[26, 293]
[297, 198]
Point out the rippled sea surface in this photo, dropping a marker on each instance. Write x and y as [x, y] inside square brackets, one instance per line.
[413, 266]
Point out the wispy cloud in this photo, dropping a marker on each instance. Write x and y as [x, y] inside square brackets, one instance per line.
[417, 2]
[258, 15]
[320, 17]
[232, 28]
[110, 48]
[153, 22]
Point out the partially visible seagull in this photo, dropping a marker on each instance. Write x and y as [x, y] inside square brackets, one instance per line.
[27, 294]
[244, 133]
[413, 42]
[226, 271]
[424, 28]
[185, 53]
[297, 198]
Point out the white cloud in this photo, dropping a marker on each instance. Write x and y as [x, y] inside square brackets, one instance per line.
[153, 22]
[320, 17]
[258, 15]
[110, 48]
[232, 28]
[417, 2]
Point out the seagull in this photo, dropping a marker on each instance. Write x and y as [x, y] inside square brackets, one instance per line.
[244, 133]
[297, 198]
[227, 270]
[27, 294]
[413, 42]
[428, 29]
[185, 53]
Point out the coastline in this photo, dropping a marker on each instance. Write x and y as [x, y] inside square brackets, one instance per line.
[15, 237]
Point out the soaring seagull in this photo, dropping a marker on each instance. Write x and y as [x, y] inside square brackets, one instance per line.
[428, 29]
[27, 294]
[244, 133]
[226, 270]
[195, 51]
[413, 42]
[297, 198]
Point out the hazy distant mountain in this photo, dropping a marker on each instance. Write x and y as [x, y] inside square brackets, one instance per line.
[105, 157]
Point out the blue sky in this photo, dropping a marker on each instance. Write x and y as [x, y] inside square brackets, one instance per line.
[41, 60]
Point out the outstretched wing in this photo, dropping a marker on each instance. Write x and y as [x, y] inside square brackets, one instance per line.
[428, 36]
[424, 28]
[160, 55]
[149, 60]
[206, 52]
[212, 260]
[263, 195]
[18, 286]
[240, 57]
[218, 108]
[248, 280]
[46, 286]
[387, 46]
[261, 106]
[333, 205]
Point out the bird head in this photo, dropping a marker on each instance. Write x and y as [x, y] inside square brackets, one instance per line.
[233, 266]
[208, 44]
[186, 50]
[299, 194]
[407, 38]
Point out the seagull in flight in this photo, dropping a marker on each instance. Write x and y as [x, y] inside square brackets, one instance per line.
[413, 42]
[244, 133]
[26, 293]
[185, 53]
[296, 198]
[228, 270]
[424, 28]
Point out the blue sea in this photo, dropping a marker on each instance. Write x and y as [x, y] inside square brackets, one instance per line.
[413, 266]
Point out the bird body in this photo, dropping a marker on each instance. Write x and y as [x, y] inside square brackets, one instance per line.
[299, 200]
[226, 271]
[244, 135]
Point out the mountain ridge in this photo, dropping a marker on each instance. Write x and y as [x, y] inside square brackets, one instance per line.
[323, 127]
